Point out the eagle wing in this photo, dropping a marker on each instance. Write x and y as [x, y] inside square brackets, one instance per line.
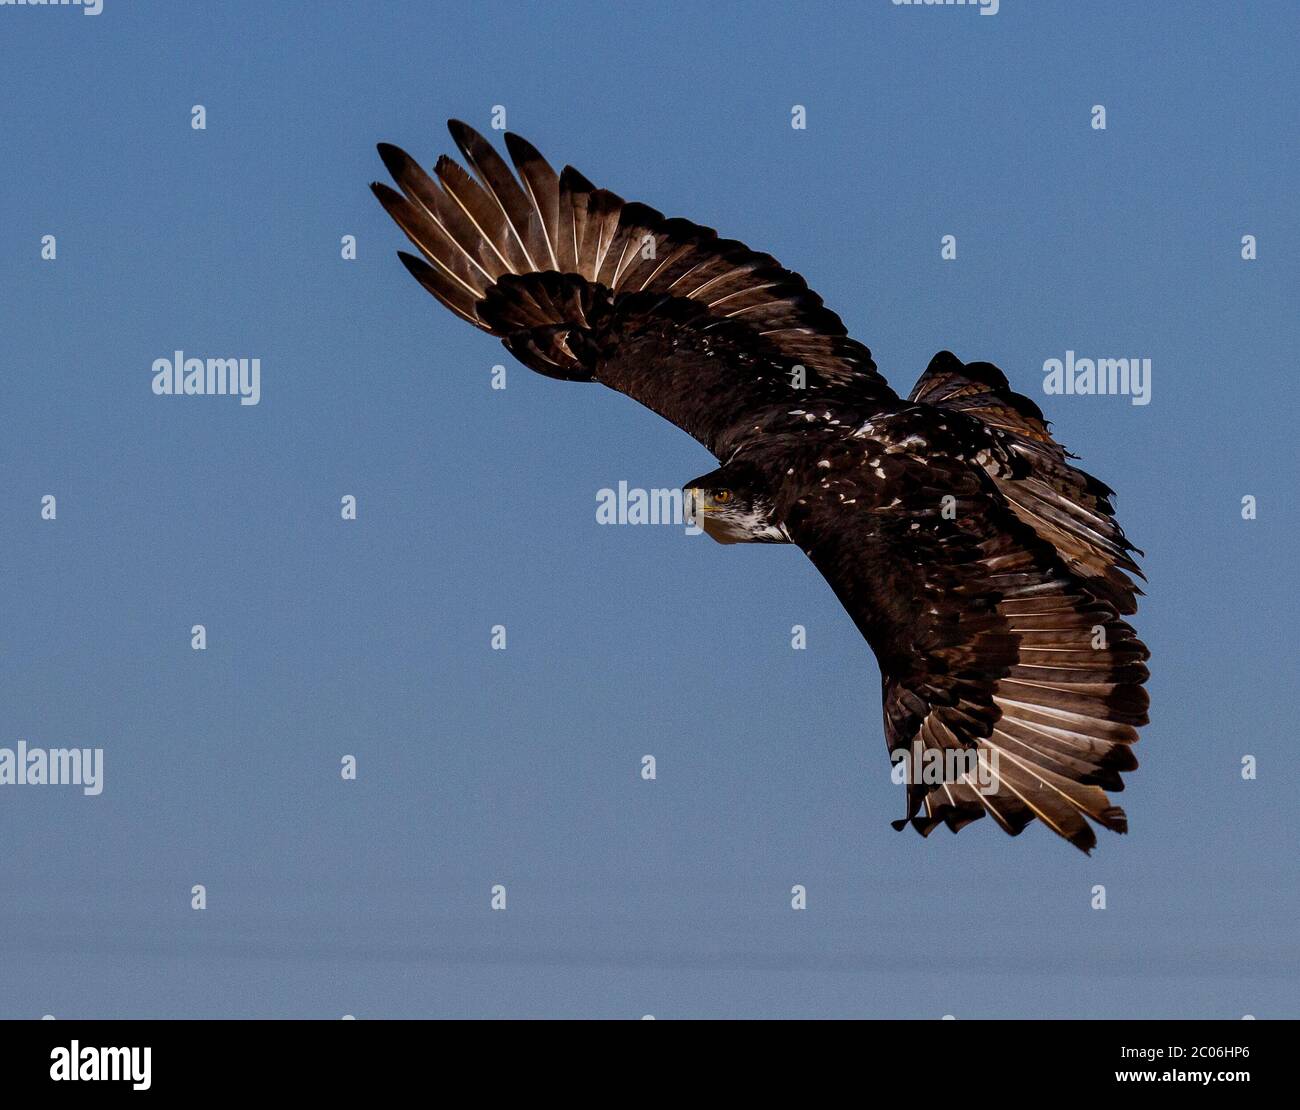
[1065, 506]
[987, 640]
[582, 285]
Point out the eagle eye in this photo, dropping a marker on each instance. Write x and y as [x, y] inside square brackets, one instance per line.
[722, 496]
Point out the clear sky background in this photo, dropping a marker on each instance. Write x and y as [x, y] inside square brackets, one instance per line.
[477, 507]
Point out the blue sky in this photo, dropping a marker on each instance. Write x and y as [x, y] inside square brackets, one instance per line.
[476, 507]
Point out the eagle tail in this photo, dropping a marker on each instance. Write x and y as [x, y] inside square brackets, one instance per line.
[1033, 765]
[1065, 717]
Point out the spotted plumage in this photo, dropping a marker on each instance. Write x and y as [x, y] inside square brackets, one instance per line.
[987, 573]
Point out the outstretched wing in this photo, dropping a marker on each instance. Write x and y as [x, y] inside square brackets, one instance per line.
[986, 640]
[581, 285]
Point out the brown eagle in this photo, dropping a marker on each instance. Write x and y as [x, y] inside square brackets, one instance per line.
[987, 573]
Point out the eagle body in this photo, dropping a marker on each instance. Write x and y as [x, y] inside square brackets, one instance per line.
[986, 572]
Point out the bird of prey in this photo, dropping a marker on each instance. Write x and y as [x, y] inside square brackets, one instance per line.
[987, 573]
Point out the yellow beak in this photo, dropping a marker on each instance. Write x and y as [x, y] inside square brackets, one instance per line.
[701, 501]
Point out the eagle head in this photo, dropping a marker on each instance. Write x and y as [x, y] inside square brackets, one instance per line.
[733, 505]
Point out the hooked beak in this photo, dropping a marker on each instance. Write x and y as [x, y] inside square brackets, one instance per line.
[697, 504]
